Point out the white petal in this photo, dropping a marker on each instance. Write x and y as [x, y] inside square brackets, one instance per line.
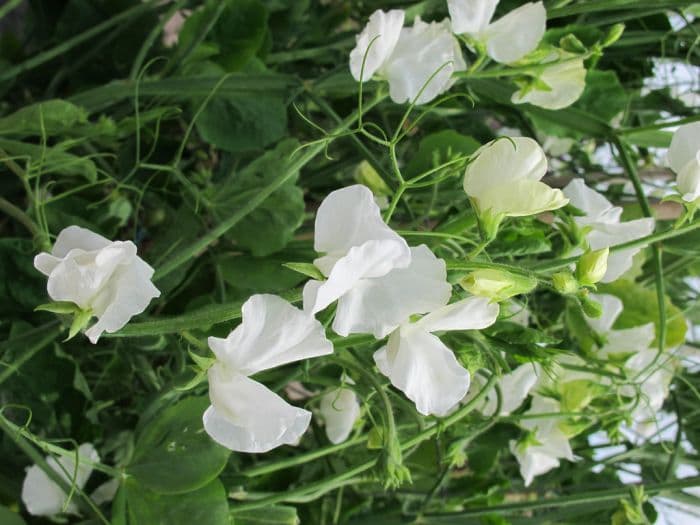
[272, 333]
[471, 17]
[516, 34]
[381, 33]
[534, 460]
[105, 492]
[611, 310]
[423, 368]
[516, 385]
[422, 63]
[379, 305]
[629, 340]
[504, 160]
[42, 497]
[689, 179]
[339, 410]
[473, 313]
[246, 416]
[605, 235]
[685, 146]
[566, 82]
[596, 207]
[74, 237]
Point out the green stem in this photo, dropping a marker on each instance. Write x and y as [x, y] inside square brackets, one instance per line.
[593, 6]
[8, 7]
[660, 125]
[287, 173]
[21, 217]
[595, 496]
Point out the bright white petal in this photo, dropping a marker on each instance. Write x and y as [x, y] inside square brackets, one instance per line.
[685, 146]
[246, 416]
[42, 497]
[689, 179]
[566, 82]
[516, 385]
[502, 161]
[629, 340]
[423, 368]
[272, 333]
[534, 461]
[606, 235]
[471, 17]
[74, 237]
[596, 207]
[378, 306]
[520, 198]
[339, 410]
[611, 308]
[423, 61]
[473, 313]
[516, 34]
[380, 35]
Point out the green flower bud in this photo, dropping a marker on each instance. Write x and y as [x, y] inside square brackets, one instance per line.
[498, 285]
[613, 35]
[367, 175]
[565, 283]
[592, 266]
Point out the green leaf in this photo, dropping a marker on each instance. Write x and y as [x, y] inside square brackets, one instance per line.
[272, 515]
[58, 307]
[207, 505]
[258, 274]
[640, 307]
[438, 148]
[654, 138]
[604, 96]
[52, 159]
[307, 269]
[7, 517]
[52, 117]
[271, 225]
[80, 321]
[173, 453]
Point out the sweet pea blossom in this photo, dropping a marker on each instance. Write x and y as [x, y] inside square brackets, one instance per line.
[245, 415]
[104, 277]
[418, 61]
[43, 497]
[504, 180]
[418, 363]
[565, 80]
[604, 229]
[509, 38]
[515, 386]
[376, 278]
[339, 409]
[546, 445]
[684, 158]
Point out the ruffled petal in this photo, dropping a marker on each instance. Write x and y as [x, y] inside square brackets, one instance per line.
[689, 179]
[42, 497]
[473, 313]
[378, 306]
[471, 17]
[74, 237]
[339, 410]
[516, 385]
[520, 198]
[629, 340]
[685, 146]
[272, 333]
[423, 368]
[423, 61]
[246, 416]
[596, 207]
[380, 35]
[566, 82]
[534, 460]
[516, 34]
[605, 235]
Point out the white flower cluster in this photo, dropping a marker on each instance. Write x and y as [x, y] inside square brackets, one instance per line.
[419, 61]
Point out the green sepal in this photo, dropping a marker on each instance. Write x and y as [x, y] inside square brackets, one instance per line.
[307, 269]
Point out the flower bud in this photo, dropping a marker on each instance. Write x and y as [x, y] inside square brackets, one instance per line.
[590, 307]
[565, 283]
[498, 285]
[592, 266]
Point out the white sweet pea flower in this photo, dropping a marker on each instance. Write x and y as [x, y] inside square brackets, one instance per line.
[566, 81]
[509, 38]
[605, 230]
[515, 386]
[42, 496]
[420, 365]
[418, 62]
[684, 159]
[504, 180]
[102, 276]
[339, 409]
[377, 42]
[547, 443]
[245, 415]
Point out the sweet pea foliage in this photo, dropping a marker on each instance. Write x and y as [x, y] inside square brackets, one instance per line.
[418, 61]
[509, 38]
[684, 159]
[105, 278]
[603, 227]
[245, 415]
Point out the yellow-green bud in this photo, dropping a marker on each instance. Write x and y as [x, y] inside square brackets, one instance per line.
[590, 307]
[613, 35]
[592, 266]
[498, 285]
[367, 175]
[565, 283]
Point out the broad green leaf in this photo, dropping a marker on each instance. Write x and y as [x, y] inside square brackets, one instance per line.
[272, 515]
[307, 269]
[271, 225]
[604, 96]
[258, 274]
[207, 505]
[7, 517]
[438, 148]
[640, 307]
[50, 159]
[52, 117]
[173, 453]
